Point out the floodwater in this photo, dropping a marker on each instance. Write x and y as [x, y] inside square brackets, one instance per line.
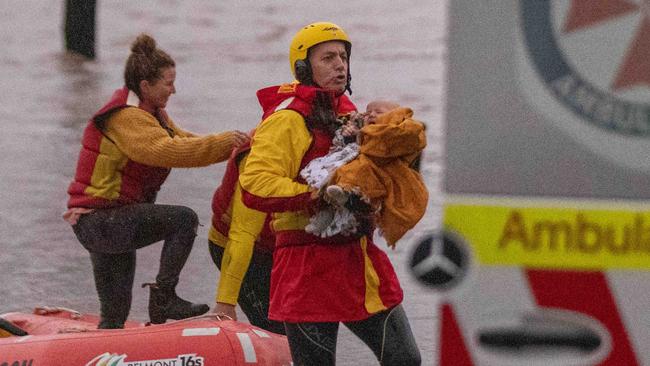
[224, 53]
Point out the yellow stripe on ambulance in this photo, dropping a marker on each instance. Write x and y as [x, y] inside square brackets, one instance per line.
[553, 237]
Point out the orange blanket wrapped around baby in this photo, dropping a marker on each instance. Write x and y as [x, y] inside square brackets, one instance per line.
[382, 172]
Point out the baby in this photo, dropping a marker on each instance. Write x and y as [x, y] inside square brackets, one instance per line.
[377, 107]
[371, 176]
[350, 131]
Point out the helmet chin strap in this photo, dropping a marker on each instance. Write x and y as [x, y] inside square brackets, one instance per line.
[348, 85]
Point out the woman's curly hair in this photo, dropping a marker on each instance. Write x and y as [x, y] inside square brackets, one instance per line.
[145, 62]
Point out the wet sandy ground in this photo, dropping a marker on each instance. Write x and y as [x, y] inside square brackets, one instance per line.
[224, 53]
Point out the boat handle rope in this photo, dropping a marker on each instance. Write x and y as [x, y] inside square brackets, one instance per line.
[44, 310]
[217, 316]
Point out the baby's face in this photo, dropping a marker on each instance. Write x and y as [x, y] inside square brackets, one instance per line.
[376, 108]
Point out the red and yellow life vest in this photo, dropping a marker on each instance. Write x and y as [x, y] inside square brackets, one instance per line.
[105, 176]
[222, 202]
[299, 98]
[296, 97]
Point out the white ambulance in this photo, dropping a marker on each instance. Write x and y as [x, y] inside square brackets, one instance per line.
[545, 254]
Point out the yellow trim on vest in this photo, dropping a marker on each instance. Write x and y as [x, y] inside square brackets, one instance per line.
[287, 88]
[106, 179]
[373, 301]
[216, 237]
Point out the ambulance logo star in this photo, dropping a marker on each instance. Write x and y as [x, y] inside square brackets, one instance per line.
[436, 260]
[635, 68]
[439, 261]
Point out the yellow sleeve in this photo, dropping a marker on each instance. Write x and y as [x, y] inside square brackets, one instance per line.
[277, 149]
[245, 227]
[179, 131]
[139, 136]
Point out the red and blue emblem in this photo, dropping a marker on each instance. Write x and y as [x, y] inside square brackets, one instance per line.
[594, 58]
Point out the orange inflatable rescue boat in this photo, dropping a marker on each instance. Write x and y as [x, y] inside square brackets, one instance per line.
[58, 336]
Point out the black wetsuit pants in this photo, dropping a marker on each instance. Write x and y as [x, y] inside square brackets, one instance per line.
[388, 334]
[112, 236]
[255, 288]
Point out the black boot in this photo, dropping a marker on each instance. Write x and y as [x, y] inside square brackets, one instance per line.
[165, 304]
[114, 275]
[109, 324]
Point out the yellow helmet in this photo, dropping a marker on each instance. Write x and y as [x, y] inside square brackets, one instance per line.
[312, 35]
